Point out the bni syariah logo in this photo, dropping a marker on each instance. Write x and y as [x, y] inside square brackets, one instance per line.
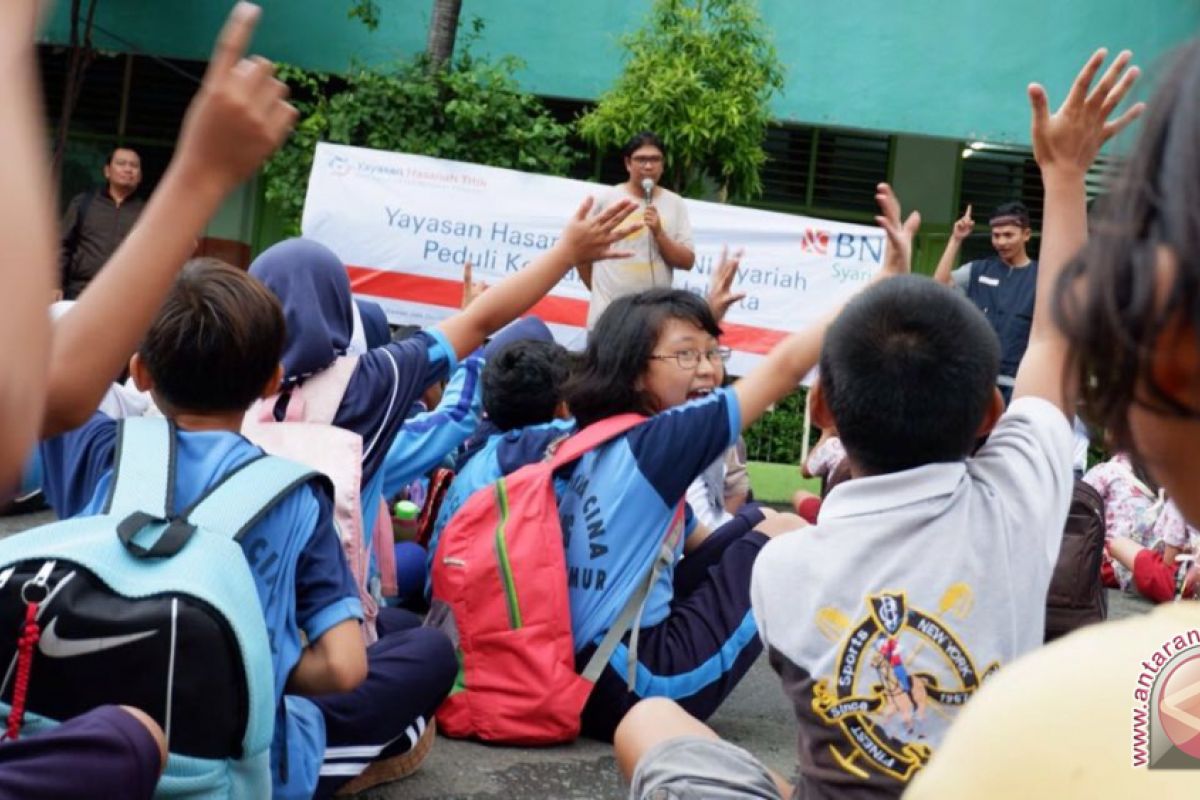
[340, 166]
[815, 241]
[1166, 714]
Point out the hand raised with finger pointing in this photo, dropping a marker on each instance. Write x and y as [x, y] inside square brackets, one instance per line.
[963, 226]
[240, 115]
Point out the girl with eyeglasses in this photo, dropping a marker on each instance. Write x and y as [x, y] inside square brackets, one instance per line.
[656, 353]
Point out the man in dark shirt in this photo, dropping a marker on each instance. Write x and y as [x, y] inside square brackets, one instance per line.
[1001, 286]
[98, 220]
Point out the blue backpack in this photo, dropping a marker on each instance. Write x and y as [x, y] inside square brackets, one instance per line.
[141, 608]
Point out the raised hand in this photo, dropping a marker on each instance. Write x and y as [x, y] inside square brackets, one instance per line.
[472, 289]
[240, 115]
[720, 289]
[899, 234]
[1067, 141]
[963, 226]
[590, 238]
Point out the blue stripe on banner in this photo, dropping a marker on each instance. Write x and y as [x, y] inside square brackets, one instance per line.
[686, 684]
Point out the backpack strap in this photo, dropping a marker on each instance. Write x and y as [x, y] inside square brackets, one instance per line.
[592, 437]
[143, 468]
[630, 618]
[248, 494]
[231, 508]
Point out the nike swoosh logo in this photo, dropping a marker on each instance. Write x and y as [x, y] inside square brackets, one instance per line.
[54, 646]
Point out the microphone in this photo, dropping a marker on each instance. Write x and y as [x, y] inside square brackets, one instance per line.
[648, 188]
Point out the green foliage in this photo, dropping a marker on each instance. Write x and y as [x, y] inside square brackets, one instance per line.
[776, 436]
[472, 109]
[700, 73]
[366, 12]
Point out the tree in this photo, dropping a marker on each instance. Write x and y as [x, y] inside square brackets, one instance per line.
[699, 73]
[443, 28]
[471, 109]
[80, 54]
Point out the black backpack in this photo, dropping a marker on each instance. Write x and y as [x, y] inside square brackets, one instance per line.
[1076, 596]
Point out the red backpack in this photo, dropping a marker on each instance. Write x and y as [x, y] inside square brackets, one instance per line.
[500, 568]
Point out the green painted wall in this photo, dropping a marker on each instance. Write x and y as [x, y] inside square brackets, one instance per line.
[933, 67]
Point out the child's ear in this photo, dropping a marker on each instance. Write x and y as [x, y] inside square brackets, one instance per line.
[822, 417]
[140, 374]
[990, 417]
[276, 380]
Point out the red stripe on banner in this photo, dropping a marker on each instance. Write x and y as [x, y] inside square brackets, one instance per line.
[559, 310]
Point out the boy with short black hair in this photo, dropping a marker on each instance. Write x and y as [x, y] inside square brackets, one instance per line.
[929, 570]
[214, 348]
[522, 384]
[522, 395]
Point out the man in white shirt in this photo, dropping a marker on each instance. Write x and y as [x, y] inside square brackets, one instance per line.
[662, 244]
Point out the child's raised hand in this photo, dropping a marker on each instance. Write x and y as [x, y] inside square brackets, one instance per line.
[1068, 140]
[587, 239]
[899, 234]
[240, 115]
[472, 288]
[720, 290]
[18, 26]
[963, 226]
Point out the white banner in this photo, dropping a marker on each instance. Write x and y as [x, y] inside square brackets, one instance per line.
[404, 225]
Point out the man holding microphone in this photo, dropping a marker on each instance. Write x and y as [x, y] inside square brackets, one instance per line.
[662, 245]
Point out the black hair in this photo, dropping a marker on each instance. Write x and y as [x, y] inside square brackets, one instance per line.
[113, 153]
[1012, 209]
[641, 140]
[908, 370]
[523, 383]
[619, 350]
[1108, 301]
[217, 339]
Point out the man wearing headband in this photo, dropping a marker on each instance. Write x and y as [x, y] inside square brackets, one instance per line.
[1001, 286]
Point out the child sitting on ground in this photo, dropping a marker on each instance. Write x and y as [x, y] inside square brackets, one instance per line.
[1145, 531]
[346, 707]
[928, 571]
[312, 285]
[524, 411]
[1129, 307]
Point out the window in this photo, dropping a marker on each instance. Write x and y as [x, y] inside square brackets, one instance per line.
[993, 174]
[126, 99]
[823, 171]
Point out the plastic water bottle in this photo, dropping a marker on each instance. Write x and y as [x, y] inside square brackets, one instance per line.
[404, 521]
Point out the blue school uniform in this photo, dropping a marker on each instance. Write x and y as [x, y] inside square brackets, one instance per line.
[311, 284]
[295, 556]
[427, 437]
[501, 454]
[618, 500]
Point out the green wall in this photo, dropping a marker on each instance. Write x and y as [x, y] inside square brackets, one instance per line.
[933, 67]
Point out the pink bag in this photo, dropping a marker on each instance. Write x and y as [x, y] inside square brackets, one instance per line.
[307, 435]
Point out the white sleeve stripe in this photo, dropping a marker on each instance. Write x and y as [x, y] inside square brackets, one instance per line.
[343, 770]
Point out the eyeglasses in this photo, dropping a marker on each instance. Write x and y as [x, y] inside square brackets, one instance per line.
[690, 359]
[646, 161]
